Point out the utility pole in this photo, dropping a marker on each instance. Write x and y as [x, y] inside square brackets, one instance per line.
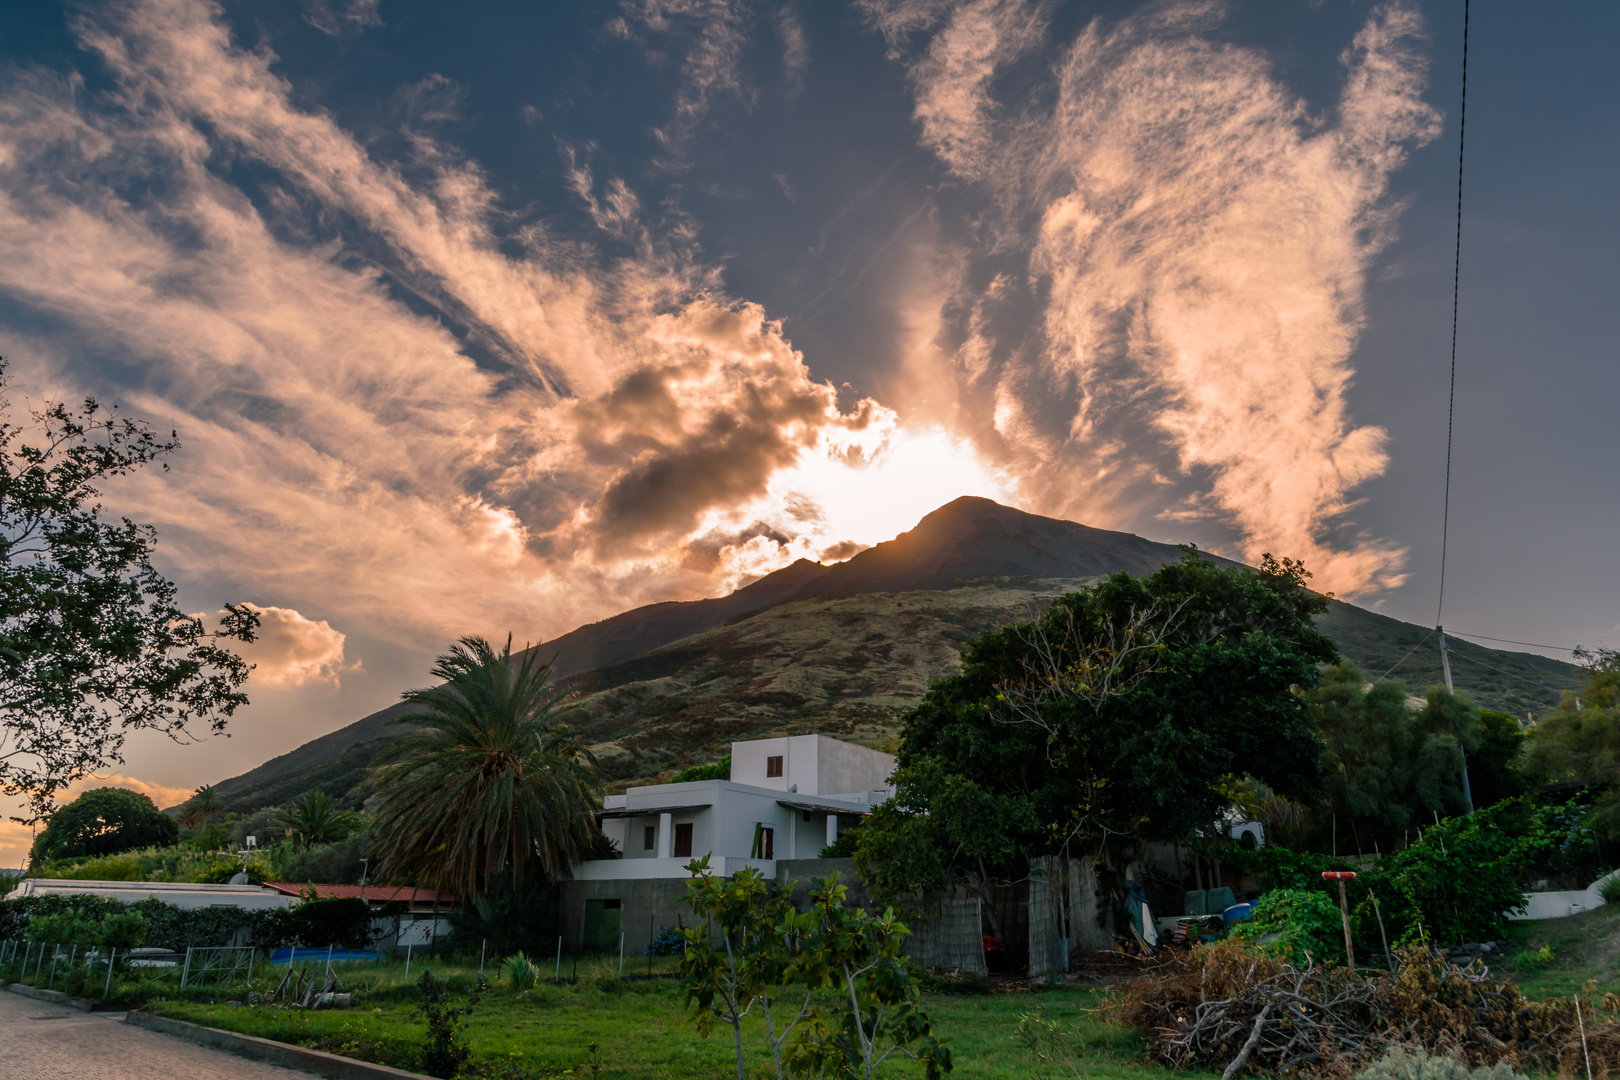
[1445, 665]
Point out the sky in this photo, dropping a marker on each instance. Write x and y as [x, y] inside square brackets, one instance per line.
[507, 320]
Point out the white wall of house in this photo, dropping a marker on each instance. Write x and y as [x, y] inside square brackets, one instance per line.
[724, 814]
[811, 765]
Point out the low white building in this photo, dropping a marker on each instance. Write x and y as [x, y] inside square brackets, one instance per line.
[180, 894]
[786, 799]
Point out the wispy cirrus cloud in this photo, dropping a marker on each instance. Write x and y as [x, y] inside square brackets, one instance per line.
[1194, 241]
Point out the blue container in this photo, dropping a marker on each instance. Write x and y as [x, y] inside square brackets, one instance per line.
[1237, 913]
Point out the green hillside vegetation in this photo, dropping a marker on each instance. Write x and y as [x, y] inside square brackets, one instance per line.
[848, 648]
[851, 666]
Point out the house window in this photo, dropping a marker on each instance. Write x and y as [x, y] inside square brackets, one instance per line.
[773, 765]
[683, 841]
[808, 816]
[649, 837]
[764, 842]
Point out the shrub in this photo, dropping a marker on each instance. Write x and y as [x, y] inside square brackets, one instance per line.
[669, 942]
[123, 930]
[720, 770]
[520, 971]
[1460, 882]
[1401, 1063]
[1611, 889]
[1533, 959]
[341, 922]
[1304, 922]
[442, 1054]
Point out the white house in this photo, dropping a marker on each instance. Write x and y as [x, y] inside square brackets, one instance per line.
[785, 800]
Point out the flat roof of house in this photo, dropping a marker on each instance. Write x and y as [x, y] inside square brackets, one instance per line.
[372, 894]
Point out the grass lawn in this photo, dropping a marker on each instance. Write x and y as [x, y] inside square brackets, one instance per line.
[1584, 946]
[642, 1031]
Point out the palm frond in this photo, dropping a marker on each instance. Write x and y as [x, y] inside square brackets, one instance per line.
[487, 780]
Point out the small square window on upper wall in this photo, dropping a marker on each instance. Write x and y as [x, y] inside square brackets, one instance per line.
[773, 765]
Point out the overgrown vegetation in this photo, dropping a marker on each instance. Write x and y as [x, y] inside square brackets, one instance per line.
[343, 923]
[1228, 1006]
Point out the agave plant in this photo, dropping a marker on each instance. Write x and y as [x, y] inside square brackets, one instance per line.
[520, 971]
[487, 782]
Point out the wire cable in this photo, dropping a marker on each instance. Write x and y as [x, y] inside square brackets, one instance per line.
[1403, 659]
[1456, 288]
[1509, 674]
[1510, 641]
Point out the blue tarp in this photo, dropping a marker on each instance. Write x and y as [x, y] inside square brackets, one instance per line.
[304, 955]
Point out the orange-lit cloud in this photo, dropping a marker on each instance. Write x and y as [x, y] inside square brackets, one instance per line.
[291, 650]
[161, 794]
[1199, 246]
[16, 838]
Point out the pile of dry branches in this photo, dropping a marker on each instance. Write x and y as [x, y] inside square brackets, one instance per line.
[1227, 1006]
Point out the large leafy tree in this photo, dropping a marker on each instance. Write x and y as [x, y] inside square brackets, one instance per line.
[488, 780]
[1389, 767]
[104, 821]
[1115, 718]
[92, 644]
[1580, 741]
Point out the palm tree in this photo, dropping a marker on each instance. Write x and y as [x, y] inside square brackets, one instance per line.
[487, 781]
[315, 819]
[204, 806]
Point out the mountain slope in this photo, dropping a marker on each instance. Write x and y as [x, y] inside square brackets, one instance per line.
[846, 649]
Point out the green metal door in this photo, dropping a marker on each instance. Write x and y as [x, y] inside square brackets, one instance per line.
[601, 926]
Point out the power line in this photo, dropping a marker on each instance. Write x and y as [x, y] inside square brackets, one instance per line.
[1510, 641]
[1456, 288]
[1403, 659]
[1509, 674]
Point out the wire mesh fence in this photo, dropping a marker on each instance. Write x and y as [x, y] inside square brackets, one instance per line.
[221, 964]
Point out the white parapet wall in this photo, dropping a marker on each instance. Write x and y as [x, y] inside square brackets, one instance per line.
[646, 869]
[1558, 905]
[180, 894]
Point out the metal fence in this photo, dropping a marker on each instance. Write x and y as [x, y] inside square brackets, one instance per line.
[221, 964]
[61, 961]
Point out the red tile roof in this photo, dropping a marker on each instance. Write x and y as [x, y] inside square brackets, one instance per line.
[373, 894]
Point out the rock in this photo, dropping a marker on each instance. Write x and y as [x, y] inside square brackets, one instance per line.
[331, 1001]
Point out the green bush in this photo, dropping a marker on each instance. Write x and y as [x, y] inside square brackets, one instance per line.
[1459, 883]
[520, 971]
[1305, 923]
[1528, 960]
[1401, 1063]
[720, 770]
[123, 930]
[1611, 889]
[341, 923]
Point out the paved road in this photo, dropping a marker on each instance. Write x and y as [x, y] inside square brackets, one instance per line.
[42, 1041]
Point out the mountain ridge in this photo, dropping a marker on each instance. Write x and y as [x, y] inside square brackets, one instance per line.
[866, 635]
